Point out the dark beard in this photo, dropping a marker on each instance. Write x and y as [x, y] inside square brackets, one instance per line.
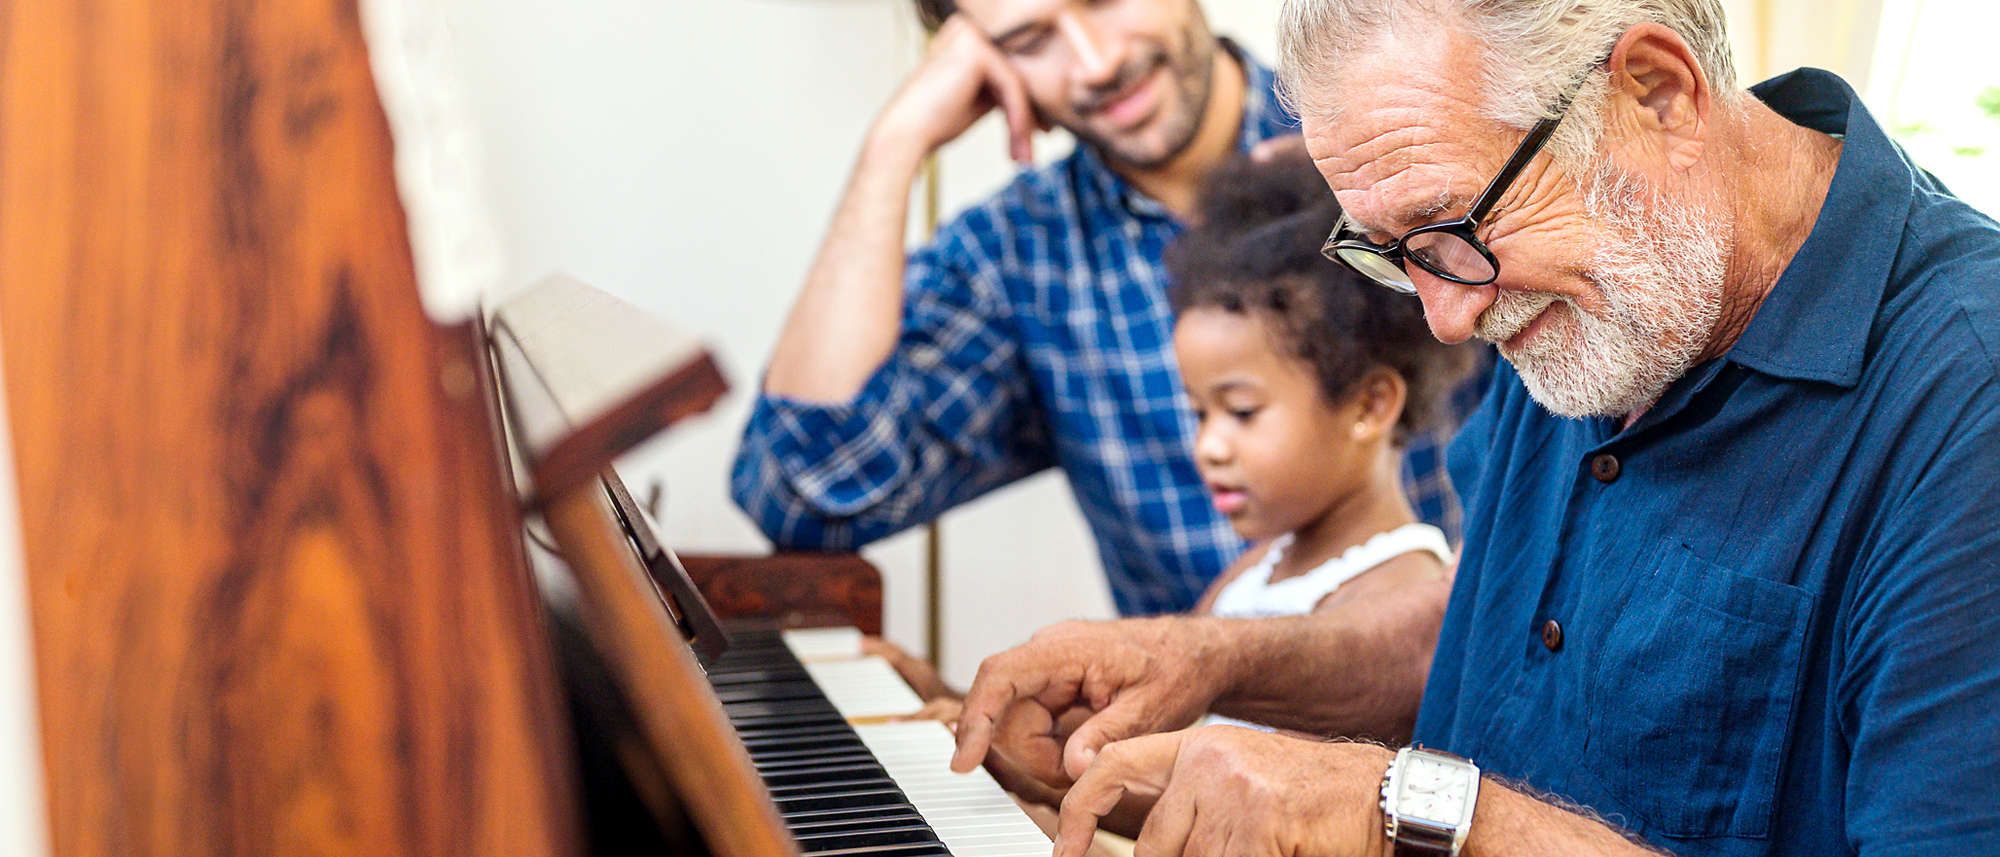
[1193, 77]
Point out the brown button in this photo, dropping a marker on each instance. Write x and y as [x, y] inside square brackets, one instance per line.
[1604, 467]
[1552, 635]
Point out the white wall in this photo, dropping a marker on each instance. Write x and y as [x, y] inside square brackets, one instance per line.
[23, 817]
[683, 156]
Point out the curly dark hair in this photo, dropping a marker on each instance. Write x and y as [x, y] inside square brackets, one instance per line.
[932, 13]
[1254, 250]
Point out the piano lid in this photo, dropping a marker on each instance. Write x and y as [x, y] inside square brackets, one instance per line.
[589, 376]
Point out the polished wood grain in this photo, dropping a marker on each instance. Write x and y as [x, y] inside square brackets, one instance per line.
[792, 589]
[678, 716]
[278, 600]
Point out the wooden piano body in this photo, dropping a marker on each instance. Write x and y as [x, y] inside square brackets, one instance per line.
[280, 595]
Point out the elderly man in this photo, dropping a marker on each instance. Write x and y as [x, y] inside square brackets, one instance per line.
[1731, 582]
[1034, 332]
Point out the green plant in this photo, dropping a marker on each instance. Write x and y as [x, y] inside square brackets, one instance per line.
[1989, 101]
[1912, 129]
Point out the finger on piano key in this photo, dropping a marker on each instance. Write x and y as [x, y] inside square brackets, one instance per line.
[844, 788]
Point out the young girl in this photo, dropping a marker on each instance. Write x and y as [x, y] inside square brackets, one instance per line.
[1306, 381]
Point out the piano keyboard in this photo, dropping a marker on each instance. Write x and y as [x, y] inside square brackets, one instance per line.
[812, 712]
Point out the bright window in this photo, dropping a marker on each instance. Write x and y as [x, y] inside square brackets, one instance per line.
[1936, 85]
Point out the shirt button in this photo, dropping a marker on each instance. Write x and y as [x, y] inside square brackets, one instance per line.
[1552, 635]
[1604, 467]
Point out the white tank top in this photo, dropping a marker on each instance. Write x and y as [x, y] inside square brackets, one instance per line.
[1252, 595]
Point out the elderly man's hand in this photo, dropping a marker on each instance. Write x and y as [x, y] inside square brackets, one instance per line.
[1121, 679]
[1224, 791]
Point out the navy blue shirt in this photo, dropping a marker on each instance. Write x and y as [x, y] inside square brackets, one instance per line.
[1779, 591]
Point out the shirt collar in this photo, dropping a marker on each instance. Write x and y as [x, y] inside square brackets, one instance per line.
[1264, 117]
[1814, 325]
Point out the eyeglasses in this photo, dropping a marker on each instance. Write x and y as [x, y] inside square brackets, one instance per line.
[1448, 249]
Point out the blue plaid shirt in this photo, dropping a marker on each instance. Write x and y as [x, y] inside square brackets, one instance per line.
[1036, 333]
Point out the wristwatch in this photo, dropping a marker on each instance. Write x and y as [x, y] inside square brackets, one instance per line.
[1427, 802]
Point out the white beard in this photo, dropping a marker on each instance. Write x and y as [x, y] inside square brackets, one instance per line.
[1660, 274]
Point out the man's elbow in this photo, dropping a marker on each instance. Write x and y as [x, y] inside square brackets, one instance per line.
[758, 488]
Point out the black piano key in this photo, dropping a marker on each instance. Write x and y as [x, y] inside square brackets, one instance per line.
[792, 708]
[793, 728]
[769, 767]
[833, 725]
[911, 849]
[805, 749]
[793, 748]
[781, 728]
[906, 831]
[806, 817]
[880, 796]
[854, 783]
[823, 774]
[787, 690]
[786, 727]
[761, 726]
[793, 751]
[799, 709]
[862, 820]
[840, 841]
[752, 677]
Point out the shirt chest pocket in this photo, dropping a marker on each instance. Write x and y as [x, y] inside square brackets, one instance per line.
[1693, 697]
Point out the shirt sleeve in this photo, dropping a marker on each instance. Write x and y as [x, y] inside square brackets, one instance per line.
[1919, 691]
[949, 416]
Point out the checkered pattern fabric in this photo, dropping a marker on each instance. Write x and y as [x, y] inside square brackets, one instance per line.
[1036, 334]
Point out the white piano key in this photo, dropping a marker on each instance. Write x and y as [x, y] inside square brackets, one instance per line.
[970, 813]
[823, 644]
[864, 688]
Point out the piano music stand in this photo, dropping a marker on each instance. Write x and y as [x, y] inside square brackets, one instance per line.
[683, 600]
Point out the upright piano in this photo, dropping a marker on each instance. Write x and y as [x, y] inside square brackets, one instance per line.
[745, 736]
[312, 571]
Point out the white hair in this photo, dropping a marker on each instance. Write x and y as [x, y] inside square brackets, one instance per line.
[1660, 280]
[1537, 52]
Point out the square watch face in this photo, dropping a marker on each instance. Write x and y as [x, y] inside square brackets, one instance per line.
[1432, 791]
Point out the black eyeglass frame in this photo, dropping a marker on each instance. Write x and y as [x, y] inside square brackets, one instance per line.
[1345, 237]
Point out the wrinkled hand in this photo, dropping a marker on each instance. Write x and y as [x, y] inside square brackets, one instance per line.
[962, 78]
[1224, 791]
[1028, 740]
[1120, 679]
[1029, 729]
